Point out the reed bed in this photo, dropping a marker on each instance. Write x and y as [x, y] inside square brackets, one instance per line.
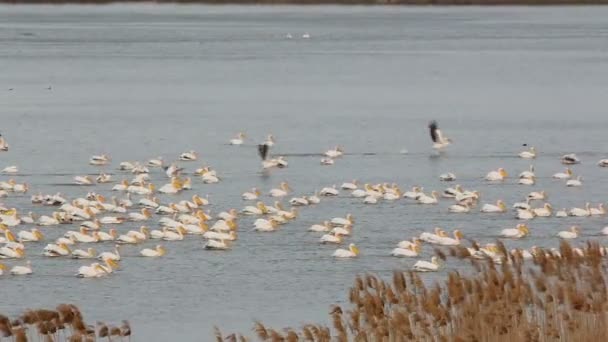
[556, 296]
[65, 323]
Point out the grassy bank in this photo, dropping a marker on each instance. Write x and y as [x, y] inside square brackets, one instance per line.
[556, 296]
[334, 2]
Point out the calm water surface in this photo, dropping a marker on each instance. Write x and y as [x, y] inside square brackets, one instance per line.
[140, 81]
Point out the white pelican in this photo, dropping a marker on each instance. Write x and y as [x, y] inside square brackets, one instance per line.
[196, 229]
[471, 196]
[111, 220]
[497, 175]
[331, 238]
[258, 209]
[439, 141]
[7, 185]
[342, 222]
[459, 208]
[448, 241]
[537, 195]
[350, 185]
[140, 234]
[408, 243]
[581, 212]
[155, 162]
[334, 153]
[570, 159]
[313, 199]
[561, 213]
[530, 154]
[329, 191]
[603, 163]
[110, 236]
[122, 186]
[210, 178]
[425, 199]
[188, 156]
[7, 252]
[425, 266]
[527, 181]
[126, 166]
[10, 170]
[110, 255]
[66, 240]
[263, 225]
[523, 214]
[178, 235]
[598, 211]
[224, 226]
[528, 173]
[269, 140]
[22, 270]
[499, 207]
[351, 252]
[432, 237]
[563, 175]
[141, 190]
[3, 144]
[392, 194]
[91, 225]
[156, 252]
[127, 239]
[103, 178]
[238, 140]
[93, 271]
[158, 234]
[327, 161]
[144, 215]
[575, 182]
[252, 195]
[519, 231]
[30, 236]
[452, 192]
[545, 211]
[172, 170]
[359, 193]
[90, 253]
[414, 194]
[569, 234]
[174, 187]
[281, 191]
[447, 177]
[8, 236]
[325, 227]
[150, 203]
[411, 251]
[21, 188]
[55, 250]
[83, 180]
[299, 201]
[99, 160]
[220, 236]
[230, 215]
[214, 244]
[605, 230]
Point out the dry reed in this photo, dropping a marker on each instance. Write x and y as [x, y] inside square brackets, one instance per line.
[65, 323]
[553, 297]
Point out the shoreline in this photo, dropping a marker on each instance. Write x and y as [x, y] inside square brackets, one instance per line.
[489, 3]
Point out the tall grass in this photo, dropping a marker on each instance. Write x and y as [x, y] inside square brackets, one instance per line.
[65, 323]
[553, 297]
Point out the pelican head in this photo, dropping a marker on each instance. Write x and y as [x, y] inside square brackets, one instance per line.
[160, 250]
[503, 173]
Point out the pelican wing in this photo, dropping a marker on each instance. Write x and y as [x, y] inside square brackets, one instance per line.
[263, 151]
[434, 129]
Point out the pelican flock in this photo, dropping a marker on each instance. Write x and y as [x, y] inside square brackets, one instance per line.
[126, 208]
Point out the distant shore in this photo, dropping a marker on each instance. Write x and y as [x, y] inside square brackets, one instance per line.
[330, 2]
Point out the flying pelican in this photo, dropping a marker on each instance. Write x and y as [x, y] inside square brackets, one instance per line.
[439, 141]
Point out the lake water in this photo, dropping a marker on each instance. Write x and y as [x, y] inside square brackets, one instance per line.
[140, 81]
